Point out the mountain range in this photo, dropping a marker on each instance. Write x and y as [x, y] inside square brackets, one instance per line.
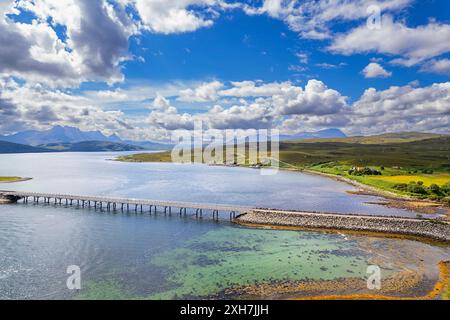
[328, 133]
[84, 146]
[70, 139]
[60, 134]
[66, 138]
[57, 134]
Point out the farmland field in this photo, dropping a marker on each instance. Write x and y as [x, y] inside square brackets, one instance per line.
[439, 179]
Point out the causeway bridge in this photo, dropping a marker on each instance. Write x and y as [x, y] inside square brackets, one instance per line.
[125, 204]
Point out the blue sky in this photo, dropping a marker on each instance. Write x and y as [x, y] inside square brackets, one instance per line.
[143, 68]
[241, 47]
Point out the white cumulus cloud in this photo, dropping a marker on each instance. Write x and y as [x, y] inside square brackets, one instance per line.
[441, 66]
[410, 45]
[375, 70]
[203, 93]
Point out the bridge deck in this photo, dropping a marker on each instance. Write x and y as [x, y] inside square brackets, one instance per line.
[127, 201]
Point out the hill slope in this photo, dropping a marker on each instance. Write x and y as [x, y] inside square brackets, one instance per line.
[8, 147]
[64, 136]
[433, 152]
[430, 152]
[85, 146]
[91, 146]
[381, 139]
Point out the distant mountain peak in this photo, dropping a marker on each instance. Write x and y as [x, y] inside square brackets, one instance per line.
[326, 133]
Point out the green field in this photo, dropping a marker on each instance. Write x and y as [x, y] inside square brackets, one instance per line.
[428, 180]
[425, 162]
[418, 158]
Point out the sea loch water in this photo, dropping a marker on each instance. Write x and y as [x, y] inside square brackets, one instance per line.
[93, 174]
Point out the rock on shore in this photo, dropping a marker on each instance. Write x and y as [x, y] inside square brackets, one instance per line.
[7, 200]
[431, 229]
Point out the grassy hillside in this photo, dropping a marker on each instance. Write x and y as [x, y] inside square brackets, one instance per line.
[9, 147]
[431, 153]
[86, 146]
[91, 146]
[382, 139]
[424, 153]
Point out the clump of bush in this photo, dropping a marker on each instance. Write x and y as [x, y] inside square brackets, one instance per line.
[446, 200]
[446, 188]
[364, 172]
[433, 192]
[423, 171]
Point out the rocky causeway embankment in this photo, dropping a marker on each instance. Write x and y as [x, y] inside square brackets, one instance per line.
[431, 229]
[7, 199]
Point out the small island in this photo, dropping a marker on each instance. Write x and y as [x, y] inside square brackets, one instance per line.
[4, 179]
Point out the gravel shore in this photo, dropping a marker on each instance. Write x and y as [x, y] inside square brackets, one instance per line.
[431, 229]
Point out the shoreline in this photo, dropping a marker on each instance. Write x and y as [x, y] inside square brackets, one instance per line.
[367, 189]
[3, 200]
[393, 200]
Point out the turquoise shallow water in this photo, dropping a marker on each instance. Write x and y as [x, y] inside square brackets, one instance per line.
[155, 257]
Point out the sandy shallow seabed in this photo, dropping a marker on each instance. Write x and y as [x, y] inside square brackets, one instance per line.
[427, 278]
